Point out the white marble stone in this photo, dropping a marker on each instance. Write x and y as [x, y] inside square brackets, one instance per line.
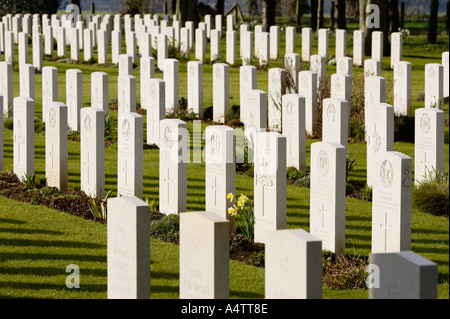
[195, 87]
[155, 92]
[126, 87]
[26, 80]
[434, 89]
[274, 42]
[446, 73]
[335, 116]
[307, 87]
[396, 48]
[341, 43]
[275, 92]
[358, 47]
[74, 97]
[23, 139]
[290, 39]
[377, 46]
[6, 86]
[221, 91]
[49, 89]
[171, 78]
[402, 88]
[99, 91]
[306, 44]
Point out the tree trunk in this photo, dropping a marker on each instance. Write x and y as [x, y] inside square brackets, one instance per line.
[268, 8]
[433, 25]
[393, 16]
[220, 7]
[298, 13]
[332, 15]
[340, 18]
[320, 14]
[314, 5]
[384, 26]
[446, 17]
[186, 10]
[402, 15]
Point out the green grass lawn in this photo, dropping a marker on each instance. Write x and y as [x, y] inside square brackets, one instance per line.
[36, 244]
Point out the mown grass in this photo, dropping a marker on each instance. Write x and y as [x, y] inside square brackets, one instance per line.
[37, 243]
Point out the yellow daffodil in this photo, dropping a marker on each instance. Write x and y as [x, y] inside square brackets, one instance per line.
[243, 198]
[230, 196]
[232, 210]
[240, 204]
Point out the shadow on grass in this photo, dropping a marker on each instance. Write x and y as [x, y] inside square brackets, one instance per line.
[11, 221]
[49, 243]
[29, 231]
[42, 286]
[50, 271]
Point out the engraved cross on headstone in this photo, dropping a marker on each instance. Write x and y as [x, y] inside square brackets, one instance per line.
[385, 227]
[125, 170]
[322, 211]
[86, 164]
[168, 181]
[215, 188]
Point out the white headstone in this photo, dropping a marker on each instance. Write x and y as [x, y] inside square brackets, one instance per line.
[247, 82]
[292, 67]
[125, 65]
[341, 43]
[61, 42]
[372, 67]
[130, 158]
[56, 146]
[220, 177]
[391, 203]
[102, 47]
[126, 87]
[254, 115]
[130, 42]
[377, 46]
[163, 50]
[269, 184]
[26, 80]
[215, 45]
[276, 90]
[221, 91]
[128, 250]
[396, 48]
[403, 275]
[116, 46]
[306, 44]
[99, 91]
[231, 47]
[92, 154]
[446, 73]
[37, 51]
[147, 72]
[274, 42]
[23, 48]
[307, 87]
[318, 66]
[75, 44]
[294, 129]
[379, 135]
[49, 89]
[195, 87]
[327, 199]
[247, 47]
[204, 256]
[428, 143]
[344, 65]
[358, 47]
[171, 78]
[290, 39]
[323, 43]
[293, 265]
[23, 140]
[335, 115]
[402, 88]
[6, 86]
[341, 88]
[258, 30]
[200, 44]
[74, 97]
[173, 157]
[155, 92]
[434, 89]
[87, 45]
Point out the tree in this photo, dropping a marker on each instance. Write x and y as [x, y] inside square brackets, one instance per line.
[268, 8]
[433, 24]
[314, 5]
[340, 19]
[220, 7]
[320, 14]
[394, 22]
[187, 10]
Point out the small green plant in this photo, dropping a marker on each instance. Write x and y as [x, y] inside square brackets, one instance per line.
[304, 181]
[167, 228]
[245, 217]
[350, 164]
[92, 60]
[110, 126]
[431, 195]
[30, 181]
[293, 174]
[366, 193]
[99, 211]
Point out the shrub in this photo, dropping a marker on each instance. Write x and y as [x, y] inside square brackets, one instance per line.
[431, 196]
[303, 181]
[293, 174]
[366, 193]
[167, 228]
[350, 164]
[403, 128]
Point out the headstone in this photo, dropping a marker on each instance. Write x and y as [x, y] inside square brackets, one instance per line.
[204, 256]
[396, 48]
[379, 135]
[48, 41]
[254, 115]
[49, 89]
[75, 44]
[23, 140]
[402, 88]
[344, 65]
[327, 199]
[23, 48]
[358, 47]
[92, 154]
[377, 46]
[269, 184]
[391, 203]
[318, 66]
[247, 48]
[102, 47]
[258, 30]
[163, 50]
[184, 42]
[195, 87]
[221, 91]
[130, 158]
[56, 146]
[341, 43]
[307, 87]
[171, 78]
[290, 39]
[231, 47]
[37, 52]
[247, 82]
[128, 250]
[274, 42]
[74, 97]
[208, 19]
[200, 44]
[26, 80]
[335, 116]
[154, 91]
[243, 28]
[293, 111]
[88, 45]
[116, 46]
[428, 143]
[125, 65]
[6, 86]
[9, 47]
[99, 91]
[293, 265]
[372, 67]
[220, 177]
[374, 92]
[61, 42]
[306, 44]
[126, 87]
[446, 73]
[173, 159]
[215, 45]
[147, 72]
[276, 90]
[403, 275]
[323, 44]
[341, 88]
[434, 81]
[130, 42]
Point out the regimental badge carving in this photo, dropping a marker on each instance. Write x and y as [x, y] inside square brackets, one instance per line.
[192, 70]
[289, 108]
[126, 129]
[245, 75]
[169, 139]
[305, 81]
[342, 66]
[431, 74]
[87, 123]
[274, 77]
[400, 70]
[323, 163]
[337, 83]
[215, 144]
[265, 180]
[52, 117]
[218, 72]
[386, 174]
[331, 112]
[152, 91]
[425, 123]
